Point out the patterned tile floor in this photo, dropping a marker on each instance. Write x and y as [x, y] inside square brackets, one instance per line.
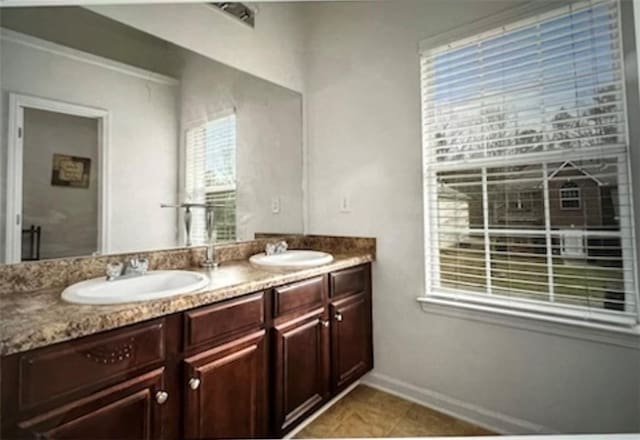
[367, 412]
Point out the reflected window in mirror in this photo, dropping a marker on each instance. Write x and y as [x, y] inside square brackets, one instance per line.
[210, 175]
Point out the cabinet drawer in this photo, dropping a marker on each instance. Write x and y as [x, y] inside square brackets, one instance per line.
[69, 368]
[220, 321]
[348, 281]
[298, 297]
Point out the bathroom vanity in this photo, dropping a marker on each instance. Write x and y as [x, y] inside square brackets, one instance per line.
[244, 365]
[145, 151]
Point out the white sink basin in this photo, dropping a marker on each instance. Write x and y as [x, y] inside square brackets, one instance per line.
[292, 259]
[152, 285]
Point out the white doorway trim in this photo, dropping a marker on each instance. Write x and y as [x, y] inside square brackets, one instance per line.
[17, 104]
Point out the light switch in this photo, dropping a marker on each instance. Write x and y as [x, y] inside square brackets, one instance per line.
[275, 205]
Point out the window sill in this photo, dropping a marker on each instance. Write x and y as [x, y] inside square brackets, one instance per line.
[624, 336]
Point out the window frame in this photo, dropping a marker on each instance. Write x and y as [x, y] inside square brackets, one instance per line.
[503, 305]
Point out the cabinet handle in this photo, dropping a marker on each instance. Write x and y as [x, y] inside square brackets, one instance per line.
[194, 383]
[161, 397]
[338, 316]
[325, 323]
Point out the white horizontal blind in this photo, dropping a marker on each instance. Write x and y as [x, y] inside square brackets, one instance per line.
[210, 176]
[527, 193]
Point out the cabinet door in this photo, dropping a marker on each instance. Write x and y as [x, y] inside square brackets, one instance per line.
[350, 340]
[301, 368]
[130, 410]
[225, 393]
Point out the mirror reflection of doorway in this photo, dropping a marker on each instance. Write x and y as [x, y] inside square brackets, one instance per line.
[59, 185]
[55, 196]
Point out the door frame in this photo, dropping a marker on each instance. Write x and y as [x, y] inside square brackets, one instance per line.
[13, 221]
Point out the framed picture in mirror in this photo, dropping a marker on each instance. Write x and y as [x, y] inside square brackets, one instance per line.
[70, 171]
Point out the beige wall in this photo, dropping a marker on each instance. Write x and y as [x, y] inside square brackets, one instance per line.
[68, 216]
[364, 139]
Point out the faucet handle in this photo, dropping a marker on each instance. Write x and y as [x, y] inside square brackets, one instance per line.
[270, 249]
[139, 264]
[113, 270]
[276, 248]
[281, 247]
[144, 264]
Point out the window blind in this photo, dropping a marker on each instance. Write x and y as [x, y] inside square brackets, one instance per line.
[210, 176]
[527, 192]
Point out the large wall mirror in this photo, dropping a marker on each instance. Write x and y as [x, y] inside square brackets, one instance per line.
[112, 138]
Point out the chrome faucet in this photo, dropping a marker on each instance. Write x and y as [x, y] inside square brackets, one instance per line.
[276, 248]
[133, 267]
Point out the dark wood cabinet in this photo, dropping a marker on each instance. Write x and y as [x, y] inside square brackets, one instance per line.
[225, 390]
[301, 368]
[129, 410]
[351, 348]
[248, 367]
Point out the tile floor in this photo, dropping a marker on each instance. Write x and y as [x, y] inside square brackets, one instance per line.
[367, 412]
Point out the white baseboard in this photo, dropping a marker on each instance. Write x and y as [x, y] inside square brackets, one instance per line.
[494, 421]
[320, 411]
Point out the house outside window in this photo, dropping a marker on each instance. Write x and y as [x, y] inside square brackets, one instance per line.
[210, 176]
[570, 196]
[525, 140]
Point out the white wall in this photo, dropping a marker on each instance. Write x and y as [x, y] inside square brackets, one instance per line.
[271, 51]
[363, 117]
[269, 140]
[143, 148]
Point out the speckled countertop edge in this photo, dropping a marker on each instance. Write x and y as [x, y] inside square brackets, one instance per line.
[36, 319]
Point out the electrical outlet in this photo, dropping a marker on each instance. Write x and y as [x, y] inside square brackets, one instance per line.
[275, 205]
[345, 204]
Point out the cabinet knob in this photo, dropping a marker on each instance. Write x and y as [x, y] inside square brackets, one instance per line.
[194, 383]
[161, 397]
[325, 323]
[338, 316]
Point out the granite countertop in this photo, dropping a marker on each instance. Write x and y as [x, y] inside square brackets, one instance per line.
[35, 319]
